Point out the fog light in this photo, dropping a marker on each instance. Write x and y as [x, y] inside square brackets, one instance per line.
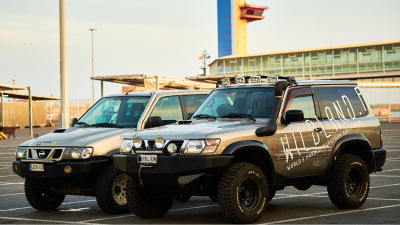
[159, 142]
[67, 169]
[172, 148]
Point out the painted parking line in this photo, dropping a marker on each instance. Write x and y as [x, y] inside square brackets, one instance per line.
[28, 207]
[6, 167]
[383, 171]
[393, 158]
[9, 176]
[6, 183]
[39, 220]
[385, 176]
[133, 215]
[333, 214]
[12, 194]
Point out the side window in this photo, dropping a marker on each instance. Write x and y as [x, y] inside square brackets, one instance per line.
[169, 109]
[306, 104]
[192, 102]
[339, 102]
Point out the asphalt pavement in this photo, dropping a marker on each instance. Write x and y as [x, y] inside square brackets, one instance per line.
[289, 206]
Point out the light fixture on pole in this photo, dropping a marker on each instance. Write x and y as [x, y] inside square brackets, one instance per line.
[91, 30]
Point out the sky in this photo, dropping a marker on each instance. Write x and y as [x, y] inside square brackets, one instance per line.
[166, 37]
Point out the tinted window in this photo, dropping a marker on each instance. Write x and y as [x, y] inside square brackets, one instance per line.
[257, 102]
[192, 102]
[340, 102]
[169, 109]
[305, 104]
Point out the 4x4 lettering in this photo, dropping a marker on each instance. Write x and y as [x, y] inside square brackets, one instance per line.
[330, 117]
[308, 122]
[323, 128]
[344, 97]
[295, 142]
[339, 111]
[302, 139]
[287, 150]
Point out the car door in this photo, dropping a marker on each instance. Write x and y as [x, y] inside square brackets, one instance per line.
[301, 146]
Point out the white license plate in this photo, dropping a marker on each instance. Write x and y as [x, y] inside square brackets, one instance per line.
[147, 159]
[36, 167]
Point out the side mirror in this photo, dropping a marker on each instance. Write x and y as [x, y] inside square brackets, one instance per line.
[74, 121]
[293, 116]
[154, 121]
[190, 115]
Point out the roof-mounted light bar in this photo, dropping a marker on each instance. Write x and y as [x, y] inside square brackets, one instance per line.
[255, 79]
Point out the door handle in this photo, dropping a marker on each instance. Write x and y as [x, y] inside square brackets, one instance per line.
[318, 129]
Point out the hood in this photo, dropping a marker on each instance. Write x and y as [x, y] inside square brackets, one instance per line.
[76, 136]
[197, 129]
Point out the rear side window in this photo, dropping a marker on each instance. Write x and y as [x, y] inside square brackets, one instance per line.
[341, 102]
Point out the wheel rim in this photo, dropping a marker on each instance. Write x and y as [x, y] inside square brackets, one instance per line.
[249, 194]
[354, 182]
[119, 189]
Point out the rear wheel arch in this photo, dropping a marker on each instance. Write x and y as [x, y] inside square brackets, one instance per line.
[355, 144]
[253, 152]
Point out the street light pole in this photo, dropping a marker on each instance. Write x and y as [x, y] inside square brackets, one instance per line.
[91, 30]
[63, 67]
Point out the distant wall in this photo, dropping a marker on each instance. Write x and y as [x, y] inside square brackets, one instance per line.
[16, 114]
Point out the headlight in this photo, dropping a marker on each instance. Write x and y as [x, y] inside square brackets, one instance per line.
[201, 146]
[126, 146]
[20, 153]
[159, 142]
[77, 153]
[137, 142]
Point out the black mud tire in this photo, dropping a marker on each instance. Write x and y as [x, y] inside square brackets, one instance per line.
[147, 205]
[349, 185]
[243, 193]
[271, 193]
[111, 191]
[39, 198]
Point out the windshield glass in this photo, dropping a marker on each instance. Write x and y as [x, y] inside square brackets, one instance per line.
[239, 102]
[115, 112]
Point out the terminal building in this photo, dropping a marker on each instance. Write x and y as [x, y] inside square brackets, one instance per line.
[372, 64]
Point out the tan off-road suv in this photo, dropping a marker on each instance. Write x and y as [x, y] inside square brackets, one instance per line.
[252, 138]
[78, 161]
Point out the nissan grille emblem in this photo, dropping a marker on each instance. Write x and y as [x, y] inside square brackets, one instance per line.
[41, 154]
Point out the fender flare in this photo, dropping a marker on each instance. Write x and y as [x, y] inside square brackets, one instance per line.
[351, 139]
[240, 146]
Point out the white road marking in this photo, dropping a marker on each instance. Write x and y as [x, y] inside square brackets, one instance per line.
[380, 199]
[5, 183]
[385, 176]
[332, 214]
[38, 220]
[383, 171]
[7, 167]
[397, 160]
[132, 215]
[9, 176]
[11, 194]
[387, 185]
[74, 210]
[393, 158]
[291, 196]
[5, 153]
[28, 207]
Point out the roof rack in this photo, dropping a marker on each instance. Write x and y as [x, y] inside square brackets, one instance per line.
[291, 80]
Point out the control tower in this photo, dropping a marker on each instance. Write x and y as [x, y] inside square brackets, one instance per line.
[233, 16]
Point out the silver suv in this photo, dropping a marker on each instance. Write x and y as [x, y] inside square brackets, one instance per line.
[249, 139]
[78, 161]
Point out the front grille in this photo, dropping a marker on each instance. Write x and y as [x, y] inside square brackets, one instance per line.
[44, 153]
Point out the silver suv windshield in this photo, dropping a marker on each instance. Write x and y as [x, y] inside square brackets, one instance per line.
[254, 102]
[115, 112]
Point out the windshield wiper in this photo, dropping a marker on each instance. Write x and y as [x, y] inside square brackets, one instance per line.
[204, 116]
[239, 115]
[105, 125]
[82, 123]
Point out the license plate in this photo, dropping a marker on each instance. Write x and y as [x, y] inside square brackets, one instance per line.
[147, 159]
[36, 167]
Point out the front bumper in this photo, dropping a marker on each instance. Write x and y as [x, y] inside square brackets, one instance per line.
[56, 169]
[169, 168]
[379, 158]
